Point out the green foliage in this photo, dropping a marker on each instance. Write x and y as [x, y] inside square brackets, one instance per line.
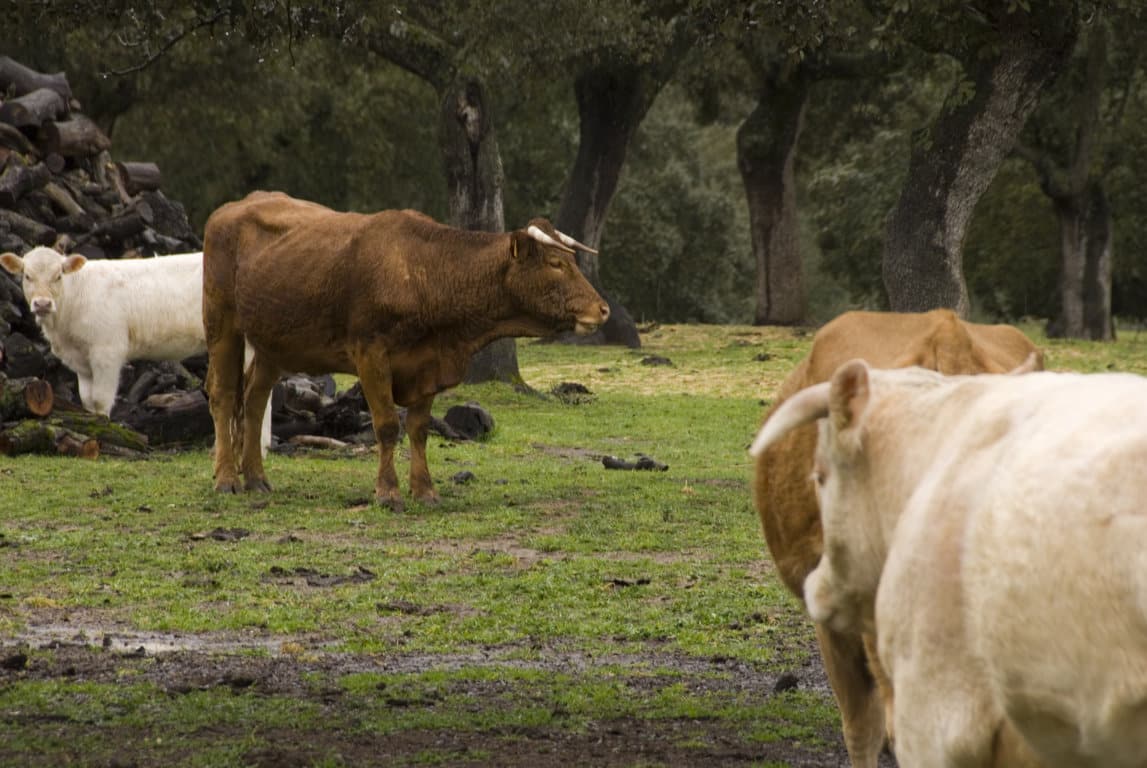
[676, 249]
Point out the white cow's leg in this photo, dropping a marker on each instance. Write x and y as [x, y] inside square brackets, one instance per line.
[265, 436]
[84, 383]
[105, 381]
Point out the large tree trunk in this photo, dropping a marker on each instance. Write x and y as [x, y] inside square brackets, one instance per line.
[611, 104]
[1085, 275]
[766, 149]
[950, 169]
[474, 175]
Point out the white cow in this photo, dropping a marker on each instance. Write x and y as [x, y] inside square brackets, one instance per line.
[98, 315]
[992, 530]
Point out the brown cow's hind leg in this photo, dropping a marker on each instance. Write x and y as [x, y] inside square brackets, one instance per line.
[261, 378]
[417, 423]
[224, 381]
[861, 706]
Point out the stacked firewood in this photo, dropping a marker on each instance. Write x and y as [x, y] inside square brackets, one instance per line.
[60, 186]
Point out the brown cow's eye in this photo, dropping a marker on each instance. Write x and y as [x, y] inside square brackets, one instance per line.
[555, 263]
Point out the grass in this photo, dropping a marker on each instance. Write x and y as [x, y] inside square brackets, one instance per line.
[544, 555]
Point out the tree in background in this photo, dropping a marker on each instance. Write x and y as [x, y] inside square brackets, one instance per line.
[1074, 145]
[1009, 55]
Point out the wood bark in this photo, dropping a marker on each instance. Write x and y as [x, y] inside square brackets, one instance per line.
[951, 168]
[28, 230]
[78, 137]
[18, 179]
[34, 109]
[26, 397]
[22, 79]
[138, 177]
[766, 150]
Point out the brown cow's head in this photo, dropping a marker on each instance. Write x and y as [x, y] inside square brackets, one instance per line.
[546, 283]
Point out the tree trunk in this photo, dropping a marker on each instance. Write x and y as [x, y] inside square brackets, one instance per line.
[474, 175]
[611, 104]
[1085, 276]
[950, 169]
[766, 149]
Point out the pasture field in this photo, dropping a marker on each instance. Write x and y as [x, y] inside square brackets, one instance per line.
[548, 611]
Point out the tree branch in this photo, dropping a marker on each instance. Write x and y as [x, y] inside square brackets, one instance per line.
[170, 43]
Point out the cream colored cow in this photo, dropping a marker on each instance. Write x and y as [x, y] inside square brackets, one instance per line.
[992, 531]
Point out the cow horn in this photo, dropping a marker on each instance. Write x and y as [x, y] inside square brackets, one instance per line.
[545, 239]
[806, 406]
[574, 243]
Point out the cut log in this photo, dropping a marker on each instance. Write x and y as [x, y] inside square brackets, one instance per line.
[14, 138]
[78, 137]
[138, 177]
[22, 79]
[167, 217]
[18, 179]
[109, 433]
[78, 446]
[118, 228]
[34, 109]
[25, 398]
[28, 230]
[63, 199]
[174, 418]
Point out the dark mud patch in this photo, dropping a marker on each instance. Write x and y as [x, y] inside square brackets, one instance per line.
[342, 734]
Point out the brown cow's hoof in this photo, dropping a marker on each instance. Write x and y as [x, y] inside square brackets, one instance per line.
[394, 502]
[258, 485]
[227, 486]
[431, 499]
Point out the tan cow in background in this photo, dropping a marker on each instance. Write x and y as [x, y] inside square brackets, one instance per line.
[992, 530]
[784, 493]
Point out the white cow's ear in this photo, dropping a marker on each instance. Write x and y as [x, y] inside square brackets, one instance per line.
[73, 263]
[12, 263]
[848, 395]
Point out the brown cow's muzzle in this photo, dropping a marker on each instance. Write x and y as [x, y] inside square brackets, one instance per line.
[588, 323]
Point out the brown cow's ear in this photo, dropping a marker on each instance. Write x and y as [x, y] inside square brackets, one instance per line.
[848, 396]
[12, 263]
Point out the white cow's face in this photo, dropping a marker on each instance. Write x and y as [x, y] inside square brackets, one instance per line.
[43, 272]
[840, 592]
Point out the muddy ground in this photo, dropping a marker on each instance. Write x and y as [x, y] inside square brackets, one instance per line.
[181, 664]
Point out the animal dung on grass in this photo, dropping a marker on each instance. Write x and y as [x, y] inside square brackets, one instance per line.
[643, 463]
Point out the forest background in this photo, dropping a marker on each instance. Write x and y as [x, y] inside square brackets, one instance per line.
[765, 162]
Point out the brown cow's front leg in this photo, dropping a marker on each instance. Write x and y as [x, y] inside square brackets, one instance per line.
[417, 424]
[861, 705]
[261, 378]
[373, 368]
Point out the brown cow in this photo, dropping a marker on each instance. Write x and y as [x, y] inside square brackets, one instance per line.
[784, 493]
[394, 297]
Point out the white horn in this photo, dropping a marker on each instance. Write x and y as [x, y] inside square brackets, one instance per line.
[574, 243]
[545, 239]
[805, 407]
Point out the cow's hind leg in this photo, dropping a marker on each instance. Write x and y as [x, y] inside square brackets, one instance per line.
[861, 707]
[417, 424]
[224, 384]
[260, 380]
[373, 370]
